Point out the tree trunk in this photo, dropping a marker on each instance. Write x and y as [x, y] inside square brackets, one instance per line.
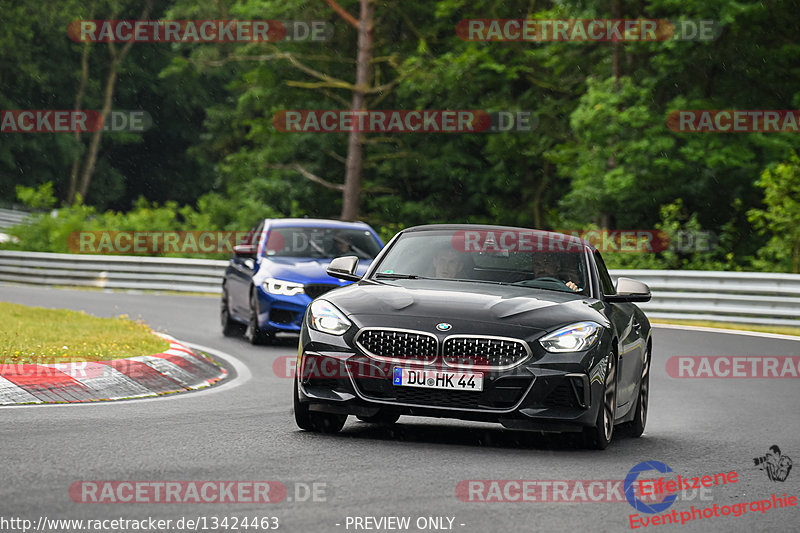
[352, 178]
[108, 98]
[73, 174]
[94, 145]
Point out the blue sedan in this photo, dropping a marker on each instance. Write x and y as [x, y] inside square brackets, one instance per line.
[281, 266]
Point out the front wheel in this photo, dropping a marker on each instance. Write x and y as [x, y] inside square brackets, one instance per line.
[254, 333]
[230, 327]
[301, 413]
[314, 420]
[599, 436]
[636, 426]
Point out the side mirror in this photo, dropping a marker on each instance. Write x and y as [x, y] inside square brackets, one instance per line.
[344, 268]
[629, 290]
[244, 250]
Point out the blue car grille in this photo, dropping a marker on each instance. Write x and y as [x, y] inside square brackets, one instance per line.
[480, 351]
[398, 345]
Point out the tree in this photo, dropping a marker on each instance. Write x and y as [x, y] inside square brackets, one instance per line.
[355, 157]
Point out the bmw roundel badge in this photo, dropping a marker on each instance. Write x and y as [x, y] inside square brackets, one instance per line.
[444, 326]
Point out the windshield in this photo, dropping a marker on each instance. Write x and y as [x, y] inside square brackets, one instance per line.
[321, 243]
[523, 259]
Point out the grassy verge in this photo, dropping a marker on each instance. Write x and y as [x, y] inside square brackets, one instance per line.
[784, 330]
[39, 335]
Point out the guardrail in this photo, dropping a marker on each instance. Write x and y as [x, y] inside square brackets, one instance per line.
[12, 217]
[113, 272]
[746, 297]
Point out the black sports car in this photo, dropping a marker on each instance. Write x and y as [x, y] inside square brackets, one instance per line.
[487, 323]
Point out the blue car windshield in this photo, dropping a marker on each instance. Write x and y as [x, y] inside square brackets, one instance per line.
[534, 259]
[321, 242]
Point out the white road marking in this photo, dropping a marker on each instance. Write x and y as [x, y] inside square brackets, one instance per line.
[729, 331]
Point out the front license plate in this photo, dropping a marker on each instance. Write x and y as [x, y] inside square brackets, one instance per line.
[435, 379]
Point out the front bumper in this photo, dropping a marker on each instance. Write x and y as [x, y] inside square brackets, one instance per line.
[536, 395]
[281, 313]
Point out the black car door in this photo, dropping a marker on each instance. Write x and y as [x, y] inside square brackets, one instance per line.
[629, 337]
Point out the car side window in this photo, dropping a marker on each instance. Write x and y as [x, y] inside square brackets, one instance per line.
[255, 234]
[606, 284]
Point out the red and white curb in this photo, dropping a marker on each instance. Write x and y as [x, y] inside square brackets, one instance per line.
[178, 369]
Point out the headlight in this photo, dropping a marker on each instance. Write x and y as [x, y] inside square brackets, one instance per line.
[572, 338]
[285, 288]
[325, 317]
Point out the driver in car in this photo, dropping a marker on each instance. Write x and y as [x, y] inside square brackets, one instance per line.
[550, 266]
[342, 245]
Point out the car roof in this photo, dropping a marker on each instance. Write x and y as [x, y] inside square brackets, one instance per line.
[314, 222]
[488, 227]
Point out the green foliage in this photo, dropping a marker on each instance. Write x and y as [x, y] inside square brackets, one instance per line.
[40, 197]
[50, 232]
[600, 156]
[781, 218]
[688, 245]
[54, 231]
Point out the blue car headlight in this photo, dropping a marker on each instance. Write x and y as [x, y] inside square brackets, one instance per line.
[573, 338]
[282, 287]
[327, 318]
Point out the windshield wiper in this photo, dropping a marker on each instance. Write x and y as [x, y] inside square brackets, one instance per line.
[392, 275]
[491, 282]
[524, 283]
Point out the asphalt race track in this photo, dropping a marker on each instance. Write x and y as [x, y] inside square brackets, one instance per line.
[244, 430]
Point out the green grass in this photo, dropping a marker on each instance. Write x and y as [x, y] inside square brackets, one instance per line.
[784, 330]
[39, 335]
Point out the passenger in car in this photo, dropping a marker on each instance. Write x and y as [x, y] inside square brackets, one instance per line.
[552, 266]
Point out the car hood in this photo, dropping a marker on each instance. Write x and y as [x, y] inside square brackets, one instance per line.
[302, 269]
[449, 301]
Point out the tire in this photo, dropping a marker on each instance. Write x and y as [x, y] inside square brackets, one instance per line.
[636, 426]
[230, 327]
[327, 422]
[253, 333]
[599, 436]
[301, 413]
[314, 420]
[386, 416]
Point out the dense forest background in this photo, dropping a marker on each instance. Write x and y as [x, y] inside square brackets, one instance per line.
[601, 154]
